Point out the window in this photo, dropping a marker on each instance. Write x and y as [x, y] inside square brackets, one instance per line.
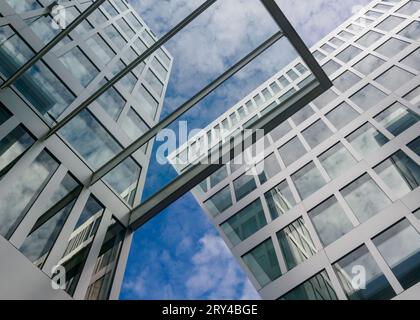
[368, 64]
[415, 146]
[392, 47]
[147, 38]
[394, 78]
[412, 31]
[12, 146]
[413, 60]
[336, 160]
[124, 178]
[164, 57]
[268, 168]
[23, 191]
[400, 247]
[100, 48]
[90, 139]
[327, 48]
[302, 114]
[413, 95]
[324, 99]
[5, 114]
[316, 133]
[318, 55]
[146, 100]
[80, 241]
[43, 235]
[400, 173]
[134, 21]
[367, 97]
[346, 35]
[112, 102]
[279, 199]
[159, 68]
[369, 38]
[280, 131]
[377, 286]
[348, 54]
[283, 81]
[21, 6]
[342, 115]
[218, 203]
[133, 125]
[244, 185]
[337, 42]
[330, 67]
[258, 100]
[366, 139]
[346, 81]
[115, 36]
[330, 221]
[397, 118]
[275, 87]
[218, 176]
[365, 198]
[318, 287]
[106, 263]
[308, 180]
[140, 45]
[128, 82]
[44, 27]
[154, 82]
[98, 17]
[291, 151]
[410, 8]
[390, 23]
[262, 262]
[79, 66]
[266, 94]
[109, 8]
[125, 28]
[244, 223]
[301, 68]
[292, 75]
[295, 243]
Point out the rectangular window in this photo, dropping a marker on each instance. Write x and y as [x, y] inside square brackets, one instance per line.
[268, 168]
[348, 54]
[368, 64]
[302, 114]
[397, 118]
[125, 28]
[100, 48]
[115, 36]
[79, 66]
[366, 139]
[124, 178]
[336, 160]
[369, 38]
[159, 68]
[244, 185]
[5, 114]
[330, 221]
[308, 180]
[400, 247]
[134, 125]
[23, 191]
[377, 286]
[345, 81]
[112, 102]
[319, 287]
[367, 97]
[89, 138]
[12, 146]
[316, 133]
[365, 198]
[330, 67]
[146, 100]
[325, 99]
[390, 23]
[43, 235]
[218, 176]
[262, 262]
[342, 115]
[280, 131]
[394, 78]
[413, 60]
[80, 242]
[154, 82]
[21, 6]
[415, 146]
[392, 47]
[291, 151]
[400, 173]
[244, 223]
[412, 31]
[106, 263]
[220, 202]
[296, 243]
[279, 199]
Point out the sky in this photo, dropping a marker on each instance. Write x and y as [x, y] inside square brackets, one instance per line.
[179, 254]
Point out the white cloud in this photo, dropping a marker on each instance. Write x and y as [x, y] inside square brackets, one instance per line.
[216, 274]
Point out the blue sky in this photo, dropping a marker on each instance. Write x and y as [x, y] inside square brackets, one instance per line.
[178, 254]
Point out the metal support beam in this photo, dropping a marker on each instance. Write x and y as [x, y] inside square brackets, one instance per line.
[107, 167]
[132, 65]
[192, 177]
[51, 44]
[297, 42]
